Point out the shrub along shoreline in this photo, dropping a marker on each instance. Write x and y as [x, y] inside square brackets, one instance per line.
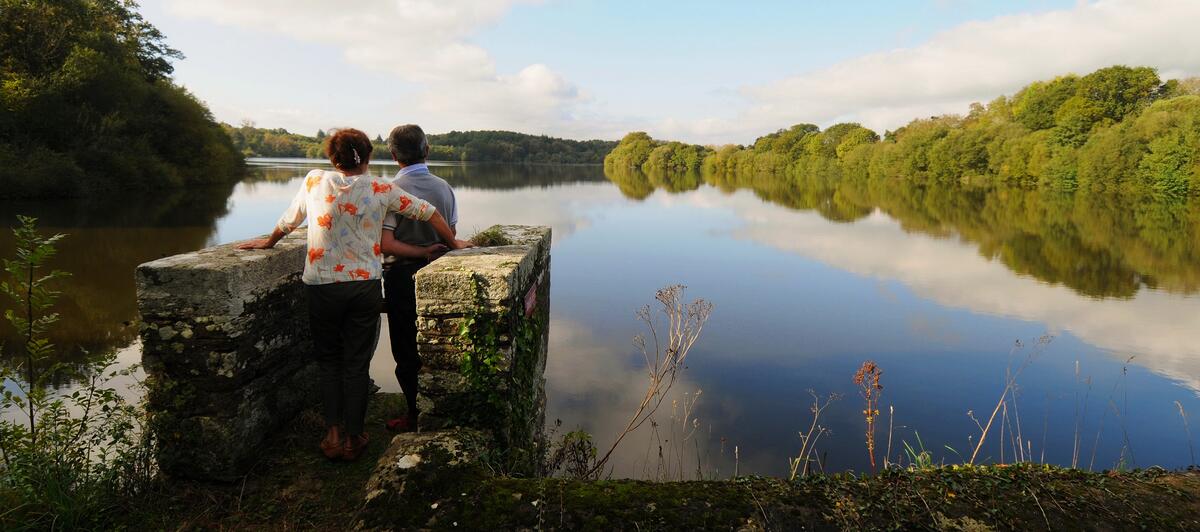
[1119, 129]
[464, 146]
[94, 109]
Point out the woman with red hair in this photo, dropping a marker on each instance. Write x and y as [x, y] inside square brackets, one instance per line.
[342, 271]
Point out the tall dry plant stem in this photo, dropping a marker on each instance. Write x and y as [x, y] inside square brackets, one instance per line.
[664, 354]
[1009, 384]
[1187, 430]
[808, 440]
[891, 420]
[867, 379]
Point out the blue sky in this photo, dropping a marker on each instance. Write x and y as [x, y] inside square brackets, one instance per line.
[703, 71]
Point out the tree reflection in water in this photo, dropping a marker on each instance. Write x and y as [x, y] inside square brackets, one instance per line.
[1103, 246]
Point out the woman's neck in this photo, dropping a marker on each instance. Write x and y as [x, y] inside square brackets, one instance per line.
[351, 172]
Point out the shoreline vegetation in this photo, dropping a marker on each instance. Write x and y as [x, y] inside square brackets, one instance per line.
[502, 147]
[1117, 130]
[456, 146]
[88, 105]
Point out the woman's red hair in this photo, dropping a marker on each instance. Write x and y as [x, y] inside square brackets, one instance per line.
[348, 148]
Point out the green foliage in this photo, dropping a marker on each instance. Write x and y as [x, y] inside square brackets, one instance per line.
[1118, 129]
[631, 152]
[574, 455]
[1035, 106]
[87, 104]
[68, 457]
[472, 146]
[918, 458]
[491, 237]
[675, 157]
[501, 371]
[252, 141]
[510, 147]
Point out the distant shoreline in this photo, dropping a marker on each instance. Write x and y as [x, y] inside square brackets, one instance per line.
[267, 160]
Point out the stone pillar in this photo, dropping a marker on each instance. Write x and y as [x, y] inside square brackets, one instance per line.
[227, 352]
[489, 307]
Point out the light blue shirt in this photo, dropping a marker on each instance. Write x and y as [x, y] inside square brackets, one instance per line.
[412, 169]
[417, 180]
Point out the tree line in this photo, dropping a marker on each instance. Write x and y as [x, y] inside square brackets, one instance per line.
[1119, 129]
[88, 104]
[1098, 244]
[472, 146]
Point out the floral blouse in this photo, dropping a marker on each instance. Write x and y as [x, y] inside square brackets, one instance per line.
[346, 218]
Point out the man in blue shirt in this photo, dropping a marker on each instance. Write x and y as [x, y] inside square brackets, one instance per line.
[412, 246]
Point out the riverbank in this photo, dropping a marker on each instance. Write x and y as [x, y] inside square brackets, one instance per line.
[292, 486]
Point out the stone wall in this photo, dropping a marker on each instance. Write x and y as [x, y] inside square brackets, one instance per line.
[229, 360]
[227, 353]
[488, 303]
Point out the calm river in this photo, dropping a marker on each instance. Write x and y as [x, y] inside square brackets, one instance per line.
[807, 283]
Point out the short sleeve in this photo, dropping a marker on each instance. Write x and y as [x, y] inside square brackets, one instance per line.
[390, 221]
[408, 205]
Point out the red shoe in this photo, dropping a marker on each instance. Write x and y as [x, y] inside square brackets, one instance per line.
[354, 446]
[331, 446]
[405, 423]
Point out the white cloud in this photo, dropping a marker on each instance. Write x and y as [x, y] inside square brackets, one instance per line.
[422, 42]
[975, 61]
[1160, 328]
[428, 43]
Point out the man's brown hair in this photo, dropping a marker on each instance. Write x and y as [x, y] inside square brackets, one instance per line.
[408, 144]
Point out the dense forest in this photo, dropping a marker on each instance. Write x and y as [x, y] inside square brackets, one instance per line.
[88, 105]
[474, 146]
[1118, 129]
[509, 147]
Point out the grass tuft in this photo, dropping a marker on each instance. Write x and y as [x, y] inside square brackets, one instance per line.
[491, 237]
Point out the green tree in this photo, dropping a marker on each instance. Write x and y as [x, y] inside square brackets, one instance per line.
[1035, 106]
[88, 104]
[631, 152]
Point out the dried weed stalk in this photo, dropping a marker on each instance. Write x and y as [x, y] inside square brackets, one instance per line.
[664, 352]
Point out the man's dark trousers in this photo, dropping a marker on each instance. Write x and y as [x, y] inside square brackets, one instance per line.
[400, 290]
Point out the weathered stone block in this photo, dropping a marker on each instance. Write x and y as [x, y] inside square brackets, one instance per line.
[500, 295]
[218, 281]
[228, 352]
[414, 468]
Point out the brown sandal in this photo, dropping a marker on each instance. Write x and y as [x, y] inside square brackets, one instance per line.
[353, 446]
[333, 443]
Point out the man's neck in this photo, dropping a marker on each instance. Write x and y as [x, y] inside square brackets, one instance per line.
[403, 166]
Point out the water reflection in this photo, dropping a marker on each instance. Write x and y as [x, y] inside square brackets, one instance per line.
[1125, 256]
[107, 239]
[475, 175]
[1100, 246]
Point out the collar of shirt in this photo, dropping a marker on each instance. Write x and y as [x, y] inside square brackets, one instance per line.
[421, 168]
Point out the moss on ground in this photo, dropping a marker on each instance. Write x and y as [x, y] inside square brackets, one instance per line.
[293, 486]
[1026, 497]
